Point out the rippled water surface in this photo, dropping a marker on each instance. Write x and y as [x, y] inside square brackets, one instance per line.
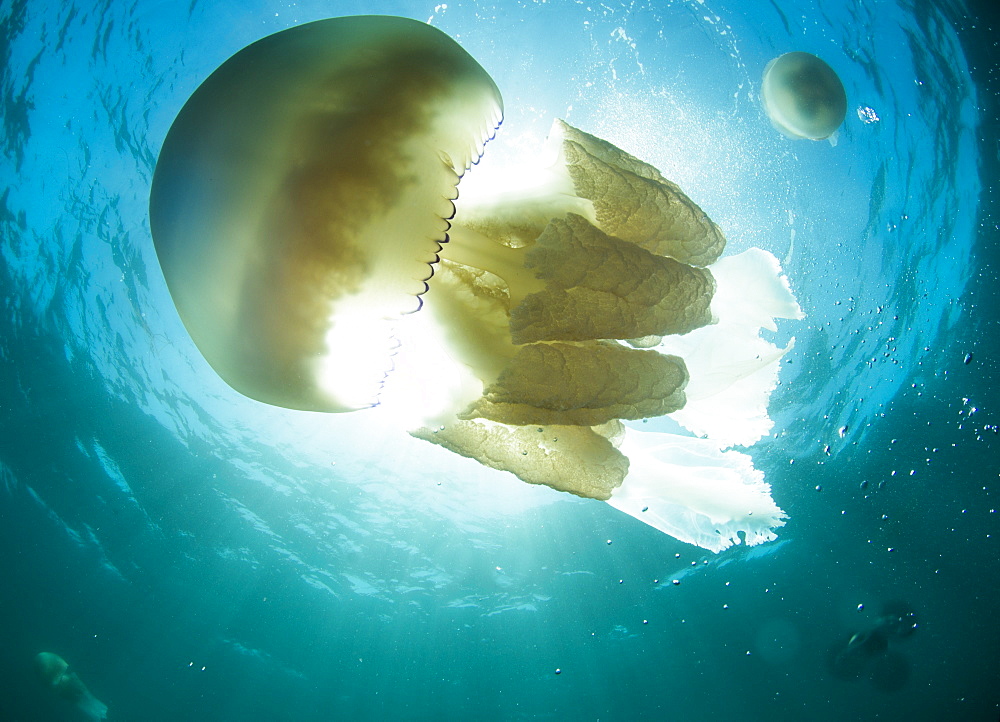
[195, 555]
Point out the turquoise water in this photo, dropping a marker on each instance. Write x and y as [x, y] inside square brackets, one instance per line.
[195, 555]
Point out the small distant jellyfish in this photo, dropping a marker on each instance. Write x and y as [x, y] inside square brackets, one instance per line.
[803, 96]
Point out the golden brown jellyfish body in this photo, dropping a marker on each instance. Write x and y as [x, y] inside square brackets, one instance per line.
[803, 96]
[299, 245]
[300, 197]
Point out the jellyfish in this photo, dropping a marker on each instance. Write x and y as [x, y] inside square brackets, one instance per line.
[305, 212]
[872, 653]
[803, 96]
[54, 673]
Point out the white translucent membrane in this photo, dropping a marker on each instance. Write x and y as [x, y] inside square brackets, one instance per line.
[734, 370]
[692, 488]
[688, 488]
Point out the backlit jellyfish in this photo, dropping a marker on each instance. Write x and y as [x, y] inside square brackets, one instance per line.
[56, 676]
[803, 96]
[302, 210]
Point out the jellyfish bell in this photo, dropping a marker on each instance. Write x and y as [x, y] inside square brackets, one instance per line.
[302, 210]
[803, 96]
[300, 197]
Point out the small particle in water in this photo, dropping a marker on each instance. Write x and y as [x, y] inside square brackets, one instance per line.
[891, 549]
[609, 542]
[677, 556]
[867, 115]
[645, 508]
[645, 621]
[864, 484]
[621, 581]
[656, 581]
[884, 517]
[842, 431]
[558, 671]
[819, 487]
[675, 582]
[861, 607]
[968, 359]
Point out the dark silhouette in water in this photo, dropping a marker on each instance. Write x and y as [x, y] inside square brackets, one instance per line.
[872, 654]
[55, 674]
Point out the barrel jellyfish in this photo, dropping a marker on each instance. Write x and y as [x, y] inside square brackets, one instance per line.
[55, 675]
[305, 212]
[803, 96]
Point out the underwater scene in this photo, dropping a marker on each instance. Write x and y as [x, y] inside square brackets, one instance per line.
[546, 359]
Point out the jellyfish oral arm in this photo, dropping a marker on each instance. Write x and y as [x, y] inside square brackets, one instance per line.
[690, 488]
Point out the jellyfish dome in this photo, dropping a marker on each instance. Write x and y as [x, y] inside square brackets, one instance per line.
[302, 193]
[803, 96]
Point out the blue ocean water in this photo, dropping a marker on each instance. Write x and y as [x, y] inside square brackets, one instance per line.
[195, 555]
